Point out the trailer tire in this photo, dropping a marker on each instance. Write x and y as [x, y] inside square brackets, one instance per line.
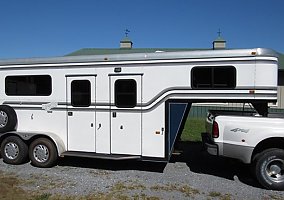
[269, 168]
[8, 118]
[14, 150]
[43, 153]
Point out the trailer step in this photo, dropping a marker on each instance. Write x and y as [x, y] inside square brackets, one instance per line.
[100, 156]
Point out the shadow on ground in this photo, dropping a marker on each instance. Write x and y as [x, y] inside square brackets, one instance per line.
[192, 154]
[199, 161]
[113, 165]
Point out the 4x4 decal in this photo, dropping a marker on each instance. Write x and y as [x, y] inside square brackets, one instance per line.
[240, 130]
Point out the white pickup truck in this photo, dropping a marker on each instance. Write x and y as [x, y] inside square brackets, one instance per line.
[250, 138]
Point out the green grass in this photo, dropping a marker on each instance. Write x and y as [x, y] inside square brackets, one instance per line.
[185, 189]
[215, 194]
[10, 188]
[193, 129]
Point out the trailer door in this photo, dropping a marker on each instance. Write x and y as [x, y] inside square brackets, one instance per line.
[81, 113]
[125, 114]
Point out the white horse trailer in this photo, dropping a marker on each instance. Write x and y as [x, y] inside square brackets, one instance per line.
[121, 106]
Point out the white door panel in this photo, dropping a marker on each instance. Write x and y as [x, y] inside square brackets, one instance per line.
[126, 116]
[81, 135]
[81, 113]
[126, 133]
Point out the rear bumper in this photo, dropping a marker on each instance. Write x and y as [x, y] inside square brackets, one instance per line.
[209, 145]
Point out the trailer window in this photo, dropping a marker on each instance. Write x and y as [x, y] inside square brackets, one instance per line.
[32, 85]
[81, 93]
[213, 77]
[125, 93]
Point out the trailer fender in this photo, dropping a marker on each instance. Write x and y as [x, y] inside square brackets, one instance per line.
[30, 136]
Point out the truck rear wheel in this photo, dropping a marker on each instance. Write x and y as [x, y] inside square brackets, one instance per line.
[43, 153]
[269, 168]
[14, 150]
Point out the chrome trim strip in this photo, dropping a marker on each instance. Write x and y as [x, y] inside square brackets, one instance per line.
[188, 93]
[142, 107]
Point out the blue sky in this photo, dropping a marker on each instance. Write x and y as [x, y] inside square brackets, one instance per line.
[33, 28]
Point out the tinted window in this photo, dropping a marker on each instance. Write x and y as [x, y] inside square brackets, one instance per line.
[213, 77]
[81, 93]
[33, 85]
[125, 93]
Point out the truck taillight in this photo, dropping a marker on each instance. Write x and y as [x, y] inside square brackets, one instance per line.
[215, 133]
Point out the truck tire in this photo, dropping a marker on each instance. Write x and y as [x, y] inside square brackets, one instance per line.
[8, 118]
[43, 153]
[269, 168]
[14, 150]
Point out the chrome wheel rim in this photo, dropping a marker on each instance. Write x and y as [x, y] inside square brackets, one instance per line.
[41, 153]
[3, 119]
[275, 170]
[11, 150]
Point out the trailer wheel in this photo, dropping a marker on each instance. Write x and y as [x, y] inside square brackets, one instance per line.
[43, 153]
[8, 118]
[269, 169]
[14, 150]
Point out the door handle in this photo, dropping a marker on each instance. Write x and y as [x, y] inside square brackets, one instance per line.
[114, 114]
[99, 126]
[70, 113]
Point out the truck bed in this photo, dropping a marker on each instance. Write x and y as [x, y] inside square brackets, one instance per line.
[215, 113]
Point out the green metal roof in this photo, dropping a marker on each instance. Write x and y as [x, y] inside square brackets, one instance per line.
[98, 51]
[102, 51]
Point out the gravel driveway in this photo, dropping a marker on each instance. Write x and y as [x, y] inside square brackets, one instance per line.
[191, 175]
